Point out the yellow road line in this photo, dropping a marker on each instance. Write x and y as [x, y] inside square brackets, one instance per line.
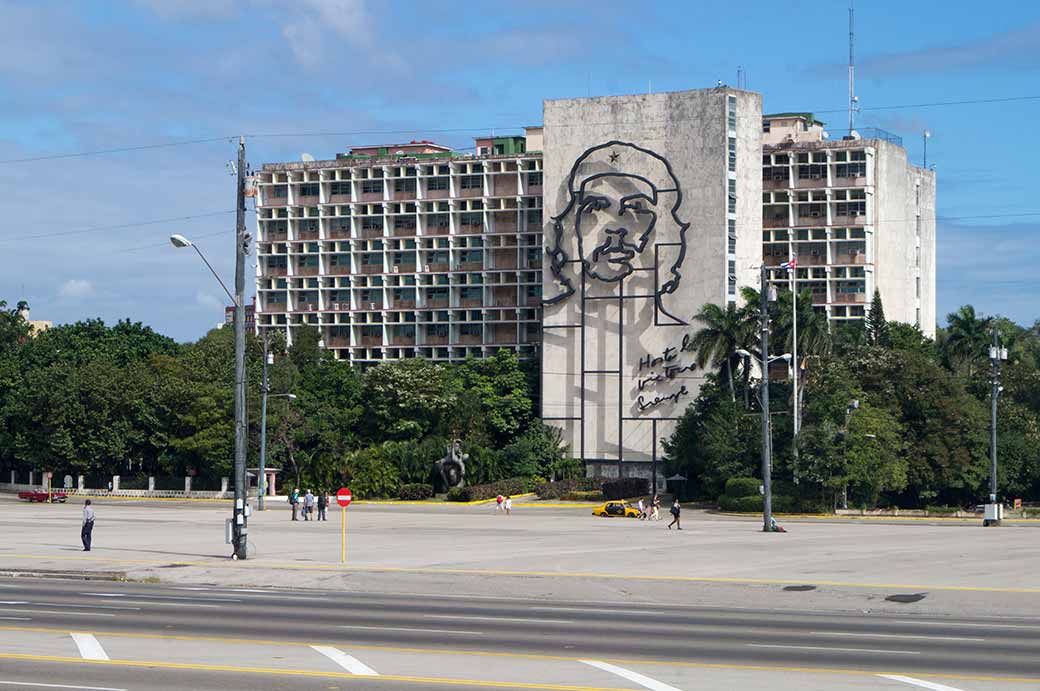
[484, 653]
[831, 517]
[528, 574]
[308, 673]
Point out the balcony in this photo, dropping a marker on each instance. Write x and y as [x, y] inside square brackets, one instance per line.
[309, 200]
[810, 183]
[436, 194]
[471, 302]
[403, 268]
[437, 267]
[435, 340]
[813, 221]
[337, 342]
[504, 302]
[470, 339]
[339, 270]
[812, 259]
[371, 268]
[403, 232]
[371, 340]
[308, 270]
[371, 232]
[275, 235]
[776, 183]
[471, 266]
[307, 307]
[275, 271]
[437, 302]
[436, 230]
[850, 298]
[371, 197]
[776, 221]
[402, 340]
[856, 258]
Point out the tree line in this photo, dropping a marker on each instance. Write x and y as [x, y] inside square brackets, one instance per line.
[99, 400]
[888, 416]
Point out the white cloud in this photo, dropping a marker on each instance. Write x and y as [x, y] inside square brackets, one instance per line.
[76, 288]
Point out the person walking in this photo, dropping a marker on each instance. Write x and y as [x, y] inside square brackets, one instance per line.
[323, 504]
[499, 500]
[657, 508]
[294, 501]
[308, 505]
[508, 505]
[86, 533]
[642, 511]
[676, 509]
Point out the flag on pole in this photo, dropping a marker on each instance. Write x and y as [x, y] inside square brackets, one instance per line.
[790, 265]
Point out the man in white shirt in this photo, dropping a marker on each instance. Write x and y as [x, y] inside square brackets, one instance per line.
[88, 525]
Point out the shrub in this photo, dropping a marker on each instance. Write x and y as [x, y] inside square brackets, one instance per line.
[593, 495]
[625, 487]
[754, 504]
[371, 474]
[568, 469]
[415, 491]
[942, 510]
[742, 487]
[511, 486]
[556, 490]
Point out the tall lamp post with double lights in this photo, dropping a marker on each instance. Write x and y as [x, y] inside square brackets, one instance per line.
[265, 388]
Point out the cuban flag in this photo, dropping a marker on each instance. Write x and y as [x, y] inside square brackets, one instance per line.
[790, 265]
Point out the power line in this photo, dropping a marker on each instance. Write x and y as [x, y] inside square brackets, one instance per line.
[166, 243]
[935, 104]
[118, 150]
[94, 229]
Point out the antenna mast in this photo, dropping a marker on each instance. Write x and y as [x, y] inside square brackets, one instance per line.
[852, 71]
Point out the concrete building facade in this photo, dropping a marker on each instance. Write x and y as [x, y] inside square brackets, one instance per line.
[857, 215]
[651, 211]
[404, 251]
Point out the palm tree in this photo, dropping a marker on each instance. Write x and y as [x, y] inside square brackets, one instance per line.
[967, 338]
[725, 331]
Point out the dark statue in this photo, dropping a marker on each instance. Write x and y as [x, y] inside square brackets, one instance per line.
[452, 468]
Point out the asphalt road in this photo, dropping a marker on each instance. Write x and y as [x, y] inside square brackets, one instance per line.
[206, 637]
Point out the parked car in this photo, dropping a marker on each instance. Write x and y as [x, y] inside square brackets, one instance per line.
[617, 509]
[40, 495]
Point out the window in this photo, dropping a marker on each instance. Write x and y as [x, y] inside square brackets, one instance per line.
[404, 185]
[765, 126]
[732, 154]
[534, 179]
[437, 221]
[371, 186]
[439, 183]
[918, 286]
[340, 188]
[472, 182]
[372, 223]
[278, 191]
[732, 282]
[851, 209]
[731, 235]
[471, 219]
[731, 102]
[851, 170]
[404, 223]
[733, 196]
[309, 190]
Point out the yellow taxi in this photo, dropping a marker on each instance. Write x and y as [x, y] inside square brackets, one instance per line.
[616, 509]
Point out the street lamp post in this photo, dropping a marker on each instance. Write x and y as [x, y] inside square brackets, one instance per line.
[239, 530]
[265, 389]
[849, 409]
[997, 354]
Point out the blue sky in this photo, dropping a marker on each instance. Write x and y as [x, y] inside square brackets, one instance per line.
[98, 75]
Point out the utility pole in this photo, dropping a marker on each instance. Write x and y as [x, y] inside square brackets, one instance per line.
[239, 530]
[767, 437]
[264, 389]
[997, 354]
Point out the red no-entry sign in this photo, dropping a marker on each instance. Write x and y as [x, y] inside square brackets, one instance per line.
[344, 497]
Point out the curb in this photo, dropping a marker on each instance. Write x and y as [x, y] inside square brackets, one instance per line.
[66, 575]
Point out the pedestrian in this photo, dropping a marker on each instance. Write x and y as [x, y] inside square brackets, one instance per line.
[308, 505]
[323, 504]
[508, 505]
[498, 503]
[88, 525]
[294, 501]
[642, 512]
[676, 509]
[657, 508]
[109, 486]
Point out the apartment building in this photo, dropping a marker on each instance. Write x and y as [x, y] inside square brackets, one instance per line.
[407, 250]
[857, 215]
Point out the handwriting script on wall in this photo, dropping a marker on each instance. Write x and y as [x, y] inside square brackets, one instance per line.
[667, 369]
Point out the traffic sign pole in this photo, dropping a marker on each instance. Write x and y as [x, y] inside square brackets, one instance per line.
[343, 498]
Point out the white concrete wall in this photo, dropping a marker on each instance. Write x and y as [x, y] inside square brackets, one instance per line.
[689, 130]
[897, 207]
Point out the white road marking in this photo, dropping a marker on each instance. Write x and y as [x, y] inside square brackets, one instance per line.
[493, 618]
[347, 662]
[918, 682]
[824, 647]
[404, 628]
[47, 611]
[137, 596]
[89, 647]
[16, 618]
[172, 604]
[14, 602]
[635, 677]
[66, 604]
[59, 686]
[974, 625]
[858, 634]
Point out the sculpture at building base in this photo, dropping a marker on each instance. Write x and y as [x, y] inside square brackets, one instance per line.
[452, 468]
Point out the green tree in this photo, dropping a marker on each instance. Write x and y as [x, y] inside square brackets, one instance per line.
[876, 325]
[408, 399]
[966, 345]
[725, 330]
[494, 390]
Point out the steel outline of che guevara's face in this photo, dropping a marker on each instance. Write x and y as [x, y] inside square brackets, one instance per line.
[618, 212]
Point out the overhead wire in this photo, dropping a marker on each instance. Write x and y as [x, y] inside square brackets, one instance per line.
[95, 229]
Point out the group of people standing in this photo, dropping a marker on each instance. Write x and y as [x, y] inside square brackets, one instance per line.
[651, 511]
[307, 503]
